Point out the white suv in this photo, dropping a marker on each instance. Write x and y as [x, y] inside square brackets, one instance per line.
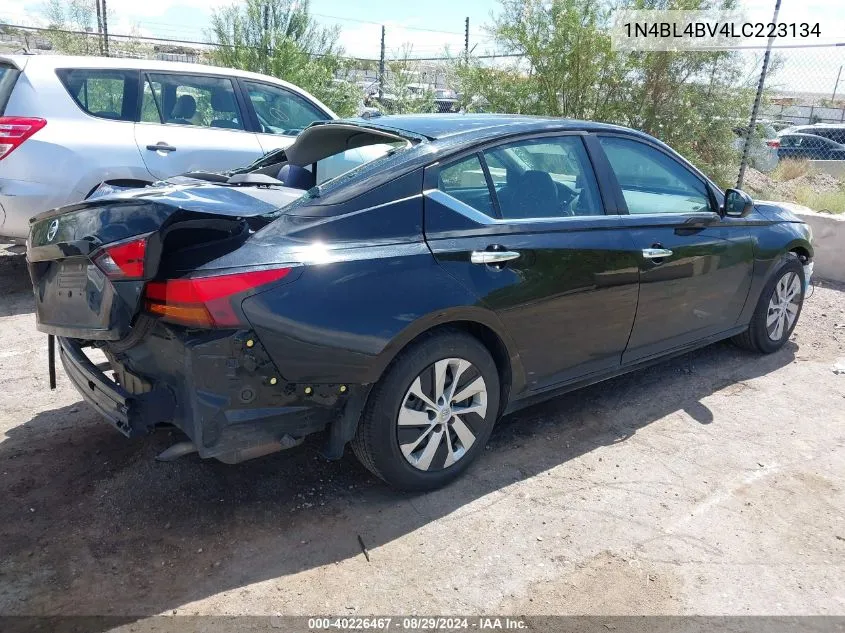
[68, 124]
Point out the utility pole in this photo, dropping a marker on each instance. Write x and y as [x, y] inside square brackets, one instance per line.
[752, 124]
[105, 30]
[466, 41]
[381, 67]
[836, 85]
[99, 28]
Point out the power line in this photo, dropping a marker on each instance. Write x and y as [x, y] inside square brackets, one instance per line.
[146, 38]
[163, 39]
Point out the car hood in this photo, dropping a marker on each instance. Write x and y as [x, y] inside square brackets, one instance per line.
[775, 212]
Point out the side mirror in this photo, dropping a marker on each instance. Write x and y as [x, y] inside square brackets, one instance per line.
[738, 204]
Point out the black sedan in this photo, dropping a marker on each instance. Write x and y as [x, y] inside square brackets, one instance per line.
[473, 265]
[809, 147]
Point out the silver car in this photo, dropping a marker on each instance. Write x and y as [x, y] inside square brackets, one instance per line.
[68, 124]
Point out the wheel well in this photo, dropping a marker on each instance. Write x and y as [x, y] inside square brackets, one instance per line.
[803, 253]
[491, 341]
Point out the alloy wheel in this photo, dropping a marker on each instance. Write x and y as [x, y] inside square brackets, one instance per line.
[441, 414]
[783, 306]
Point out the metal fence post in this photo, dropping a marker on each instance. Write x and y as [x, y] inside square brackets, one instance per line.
[752, 124]
[381, 68]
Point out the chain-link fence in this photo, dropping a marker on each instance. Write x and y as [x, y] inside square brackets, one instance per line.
[796, 151]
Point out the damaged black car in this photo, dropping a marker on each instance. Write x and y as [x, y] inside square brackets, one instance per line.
[453, 269]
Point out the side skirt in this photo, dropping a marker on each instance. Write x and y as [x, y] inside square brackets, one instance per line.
[535, 397]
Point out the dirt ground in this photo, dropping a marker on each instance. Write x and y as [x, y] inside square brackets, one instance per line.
[760, 184]
[710, 484]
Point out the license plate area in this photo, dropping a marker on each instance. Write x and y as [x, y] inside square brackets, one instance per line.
[74, 298]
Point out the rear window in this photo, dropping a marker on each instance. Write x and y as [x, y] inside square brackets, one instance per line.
[105, 94]
[8, 77]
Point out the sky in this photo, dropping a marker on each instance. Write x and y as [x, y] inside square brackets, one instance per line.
[431, 26]
[428, 27]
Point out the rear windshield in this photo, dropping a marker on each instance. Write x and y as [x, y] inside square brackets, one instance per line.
[8, 77]
[105, 94]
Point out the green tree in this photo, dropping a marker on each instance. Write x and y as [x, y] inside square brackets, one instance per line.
[280, 38]
[403, 91]
[72, 15]
[566, 67]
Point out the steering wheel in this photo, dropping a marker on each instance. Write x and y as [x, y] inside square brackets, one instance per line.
[278, 114]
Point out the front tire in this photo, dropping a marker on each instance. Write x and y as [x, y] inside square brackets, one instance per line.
[431, 414]
[777, 310]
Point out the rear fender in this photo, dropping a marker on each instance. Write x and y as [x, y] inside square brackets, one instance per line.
[345, 322]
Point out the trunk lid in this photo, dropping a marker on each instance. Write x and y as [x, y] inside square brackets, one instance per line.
[74, 298]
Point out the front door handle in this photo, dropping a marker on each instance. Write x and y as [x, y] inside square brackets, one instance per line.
[161, 146]
[492, 257]
[656, 253]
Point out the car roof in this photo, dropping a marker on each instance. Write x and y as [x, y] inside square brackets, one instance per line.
[124, 63]
[473, 127]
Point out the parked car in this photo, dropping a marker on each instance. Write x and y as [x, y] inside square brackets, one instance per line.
[832, 131]
[68, 124]
[481, 264]
[762, 155]
[446, 100]
[809, 147]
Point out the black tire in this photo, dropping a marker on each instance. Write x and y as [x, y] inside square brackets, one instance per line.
[377, 440]
[758, 337]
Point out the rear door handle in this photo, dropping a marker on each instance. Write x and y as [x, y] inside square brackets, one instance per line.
[492, 257]
[161, 146]
[656, 253]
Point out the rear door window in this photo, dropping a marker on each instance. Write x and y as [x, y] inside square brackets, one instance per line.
[544, 178]
[8, 77]
[103, 93]
[198, 100]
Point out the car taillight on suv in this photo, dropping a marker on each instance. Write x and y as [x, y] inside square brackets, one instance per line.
[14, 130]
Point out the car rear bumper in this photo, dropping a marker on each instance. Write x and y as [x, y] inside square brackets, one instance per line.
[219, 387]
[131, 414]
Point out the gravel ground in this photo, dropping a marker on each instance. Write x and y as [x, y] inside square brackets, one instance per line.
[711, 484]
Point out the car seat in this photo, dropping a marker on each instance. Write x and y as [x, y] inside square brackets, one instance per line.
[535, 196]
[224, 101]
[296, 177]
[183, 110]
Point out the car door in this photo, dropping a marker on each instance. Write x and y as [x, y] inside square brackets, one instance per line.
[695, 265]
[192, 123]
[523, 225]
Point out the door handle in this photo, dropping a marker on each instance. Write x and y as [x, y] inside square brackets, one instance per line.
[492, 257]
[656, 253]
[161, 146]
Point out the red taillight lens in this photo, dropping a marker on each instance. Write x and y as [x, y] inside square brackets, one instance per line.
[205, 301]
[123, 261]
[14, 130]
[775, 142]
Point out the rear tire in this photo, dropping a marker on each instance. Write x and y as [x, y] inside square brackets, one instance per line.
[778, 309]
[431, 413]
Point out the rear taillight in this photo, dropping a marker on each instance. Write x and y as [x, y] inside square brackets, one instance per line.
[205, 302]
[123, 261]
[14, 130]
[775, 142]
